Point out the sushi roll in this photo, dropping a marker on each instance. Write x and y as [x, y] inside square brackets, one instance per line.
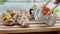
[7, 19]
[32, 11]
[45, 10]
[24, 21]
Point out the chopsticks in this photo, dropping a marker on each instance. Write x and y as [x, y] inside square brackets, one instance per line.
[47, 2]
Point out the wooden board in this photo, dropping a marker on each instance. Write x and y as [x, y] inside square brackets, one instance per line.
[34, 27]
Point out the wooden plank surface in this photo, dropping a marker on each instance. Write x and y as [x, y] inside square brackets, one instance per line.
[36, 27]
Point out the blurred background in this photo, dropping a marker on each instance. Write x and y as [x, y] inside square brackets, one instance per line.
[23, 4]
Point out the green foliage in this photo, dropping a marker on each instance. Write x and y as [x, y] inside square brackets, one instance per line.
[3, 0]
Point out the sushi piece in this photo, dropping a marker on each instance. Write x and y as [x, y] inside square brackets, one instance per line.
[24, 21]
[51, 19]
[32, 11]
[45, 10]
[7, 19]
